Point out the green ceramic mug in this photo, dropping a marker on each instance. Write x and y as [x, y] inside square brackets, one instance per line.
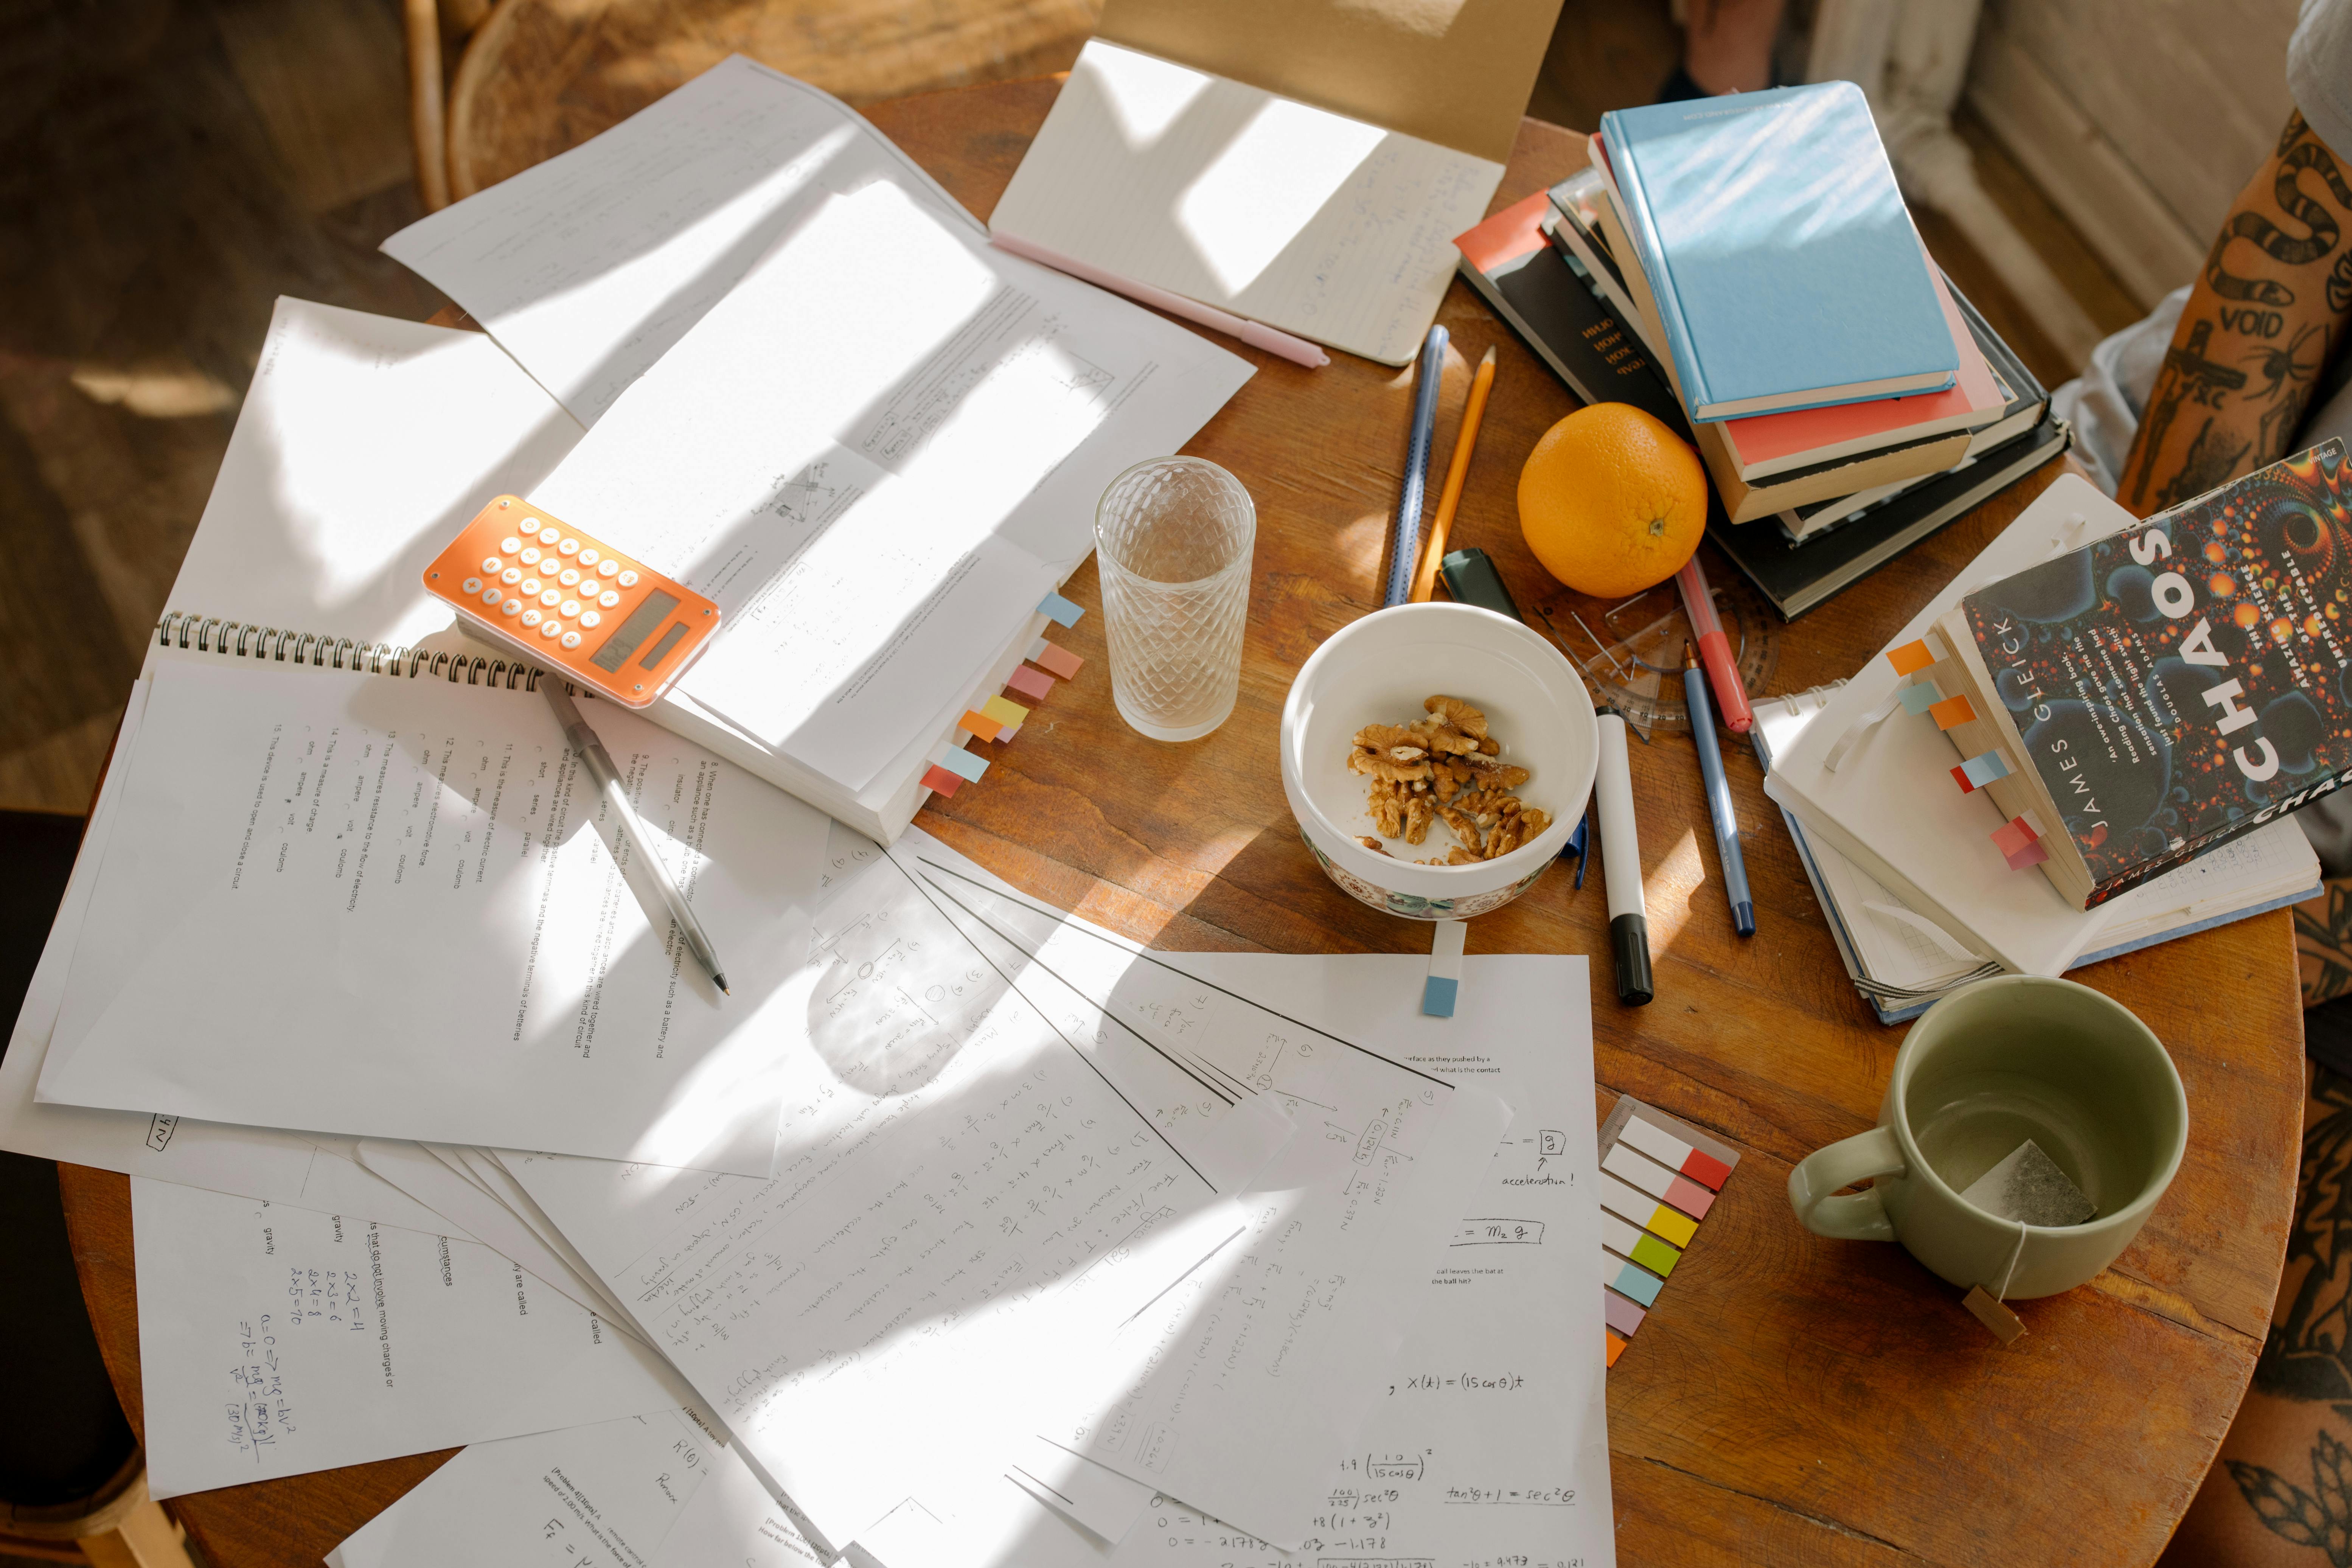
[1989, 1066]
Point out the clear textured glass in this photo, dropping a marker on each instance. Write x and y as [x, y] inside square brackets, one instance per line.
[1173, 537]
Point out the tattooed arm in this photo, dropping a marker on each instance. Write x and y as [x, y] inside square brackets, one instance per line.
[2270, 305]
[2323, 942]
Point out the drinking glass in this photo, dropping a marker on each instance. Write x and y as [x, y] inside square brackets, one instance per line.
[1173, 537]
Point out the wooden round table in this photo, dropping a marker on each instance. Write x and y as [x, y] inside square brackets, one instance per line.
[1790, 1399]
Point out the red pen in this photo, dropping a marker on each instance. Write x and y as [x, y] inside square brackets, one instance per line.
[1714, 647]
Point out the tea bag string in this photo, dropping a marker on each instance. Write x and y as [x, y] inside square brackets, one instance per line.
[2010, 1272]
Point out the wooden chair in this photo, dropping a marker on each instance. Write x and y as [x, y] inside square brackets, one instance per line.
[535, 77]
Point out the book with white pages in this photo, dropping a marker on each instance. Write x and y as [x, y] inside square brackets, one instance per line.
[1889, 805]
[292, 840]
[1305, 165]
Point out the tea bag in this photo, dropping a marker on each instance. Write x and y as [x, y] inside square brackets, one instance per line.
[2028, 1185]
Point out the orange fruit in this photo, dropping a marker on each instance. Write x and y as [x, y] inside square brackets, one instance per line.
[1612, 502]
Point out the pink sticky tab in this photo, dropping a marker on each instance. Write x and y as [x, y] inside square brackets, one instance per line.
[2034, 854]
[1690, 1197]
[941, 782]
[1031, 683]
[1058, 659]
[1910, 659]
[2011, 836]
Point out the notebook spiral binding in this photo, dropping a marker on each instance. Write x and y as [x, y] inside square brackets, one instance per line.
[207, 634]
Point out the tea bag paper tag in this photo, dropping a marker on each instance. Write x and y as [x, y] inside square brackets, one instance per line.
[2028, 1185]
[2005, 1326]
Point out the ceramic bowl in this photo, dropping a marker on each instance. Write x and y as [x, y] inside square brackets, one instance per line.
[1378, 671]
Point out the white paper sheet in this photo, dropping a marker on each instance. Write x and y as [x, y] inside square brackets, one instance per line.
[344, 902]
[590, 266]
[880, 1312]
[1513, 1471]
[274, 1341]
[1323, 226]
[648, 1491]
[364, 444]
[877, 454]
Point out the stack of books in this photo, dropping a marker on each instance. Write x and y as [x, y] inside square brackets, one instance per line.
[1746, 271]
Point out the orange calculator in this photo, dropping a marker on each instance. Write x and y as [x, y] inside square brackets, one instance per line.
[571, 602]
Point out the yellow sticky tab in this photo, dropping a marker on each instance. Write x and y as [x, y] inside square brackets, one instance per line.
[1674, 1225]
[1005, 712]
[1911, 657]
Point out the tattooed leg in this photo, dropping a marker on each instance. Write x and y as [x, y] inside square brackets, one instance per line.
[2276, 295]
[2282, 1492]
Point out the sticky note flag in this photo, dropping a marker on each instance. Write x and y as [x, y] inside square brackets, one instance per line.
[1621, 1314]
[1627, 1281]
[1979, 771]
[1440, 991]
[980, 724]
[1628, 1241]
[1033, 684]
[940, 781]
[1658, 1181]
[1919, 696]
[1058, 610]
[1646, 1212]
[1673, 1153]
[960, 761]
[1951, 710]
[1056, 658]
[1616, 1345]
[1005, 712]
[1911, 657]
[2031, 854]
[2013, 836]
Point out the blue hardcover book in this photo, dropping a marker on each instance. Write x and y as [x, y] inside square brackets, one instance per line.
[1780, 257]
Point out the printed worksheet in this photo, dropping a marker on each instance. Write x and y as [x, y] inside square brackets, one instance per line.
[877, 454]
[1486, 1440]
[390, 907]
[274, 1341]
[648, 1491]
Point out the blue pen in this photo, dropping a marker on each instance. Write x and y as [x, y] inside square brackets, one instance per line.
[1718, 792]
[1416, 468]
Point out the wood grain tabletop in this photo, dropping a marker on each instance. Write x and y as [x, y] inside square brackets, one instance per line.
[1790, 1399]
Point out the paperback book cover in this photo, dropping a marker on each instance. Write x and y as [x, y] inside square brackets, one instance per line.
[2179, 682]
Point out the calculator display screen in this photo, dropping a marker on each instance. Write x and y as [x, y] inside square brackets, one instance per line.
[633, 631]
[660, 651]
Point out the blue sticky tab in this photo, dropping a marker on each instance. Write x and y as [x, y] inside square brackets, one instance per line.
[1437, 994]
[1985, 767]
[1919, 696]
[963, 763]
[1060, 611]
[1641, 1285]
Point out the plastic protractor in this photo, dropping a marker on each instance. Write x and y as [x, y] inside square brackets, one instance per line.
[1631, 652]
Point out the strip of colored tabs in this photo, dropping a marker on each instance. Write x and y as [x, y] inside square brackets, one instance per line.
[1005, 711]
[1644, 1248]
[940, 781]
[1033, 684]
[1672, 1152]
[1952, 711]
[1919, 696]
[1059, 611]
[1911, 657]
[1627, 1281]
[1646, 1212]
[960, 761]
[980, 724]
[1621, 1314]
[1658, 1181]
[1616, 1345]
[1056, 658]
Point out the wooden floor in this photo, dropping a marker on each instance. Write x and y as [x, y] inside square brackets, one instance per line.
[169, 167]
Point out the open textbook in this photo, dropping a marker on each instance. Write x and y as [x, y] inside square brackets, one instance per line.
[288, 840]
[820, 397]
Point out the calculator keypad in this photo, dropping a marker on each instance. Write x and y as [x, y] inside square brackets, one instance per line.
[623, 630]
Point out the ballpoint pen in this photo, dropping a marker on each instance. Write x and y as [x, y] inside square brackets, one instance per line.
[1405, 558]
[1718, 794]
[628, 826]
[1620, 863]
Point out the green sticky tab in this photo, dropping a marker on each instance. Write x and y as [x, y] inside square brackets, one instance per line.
[1655, 1256]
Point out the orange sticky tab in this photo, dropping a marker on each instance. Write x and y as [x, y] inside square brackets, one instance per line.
[1058, 659]
[1951, 710]
[1911, 657]
[939, 781]
[1616, 1346]
[981, 725]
